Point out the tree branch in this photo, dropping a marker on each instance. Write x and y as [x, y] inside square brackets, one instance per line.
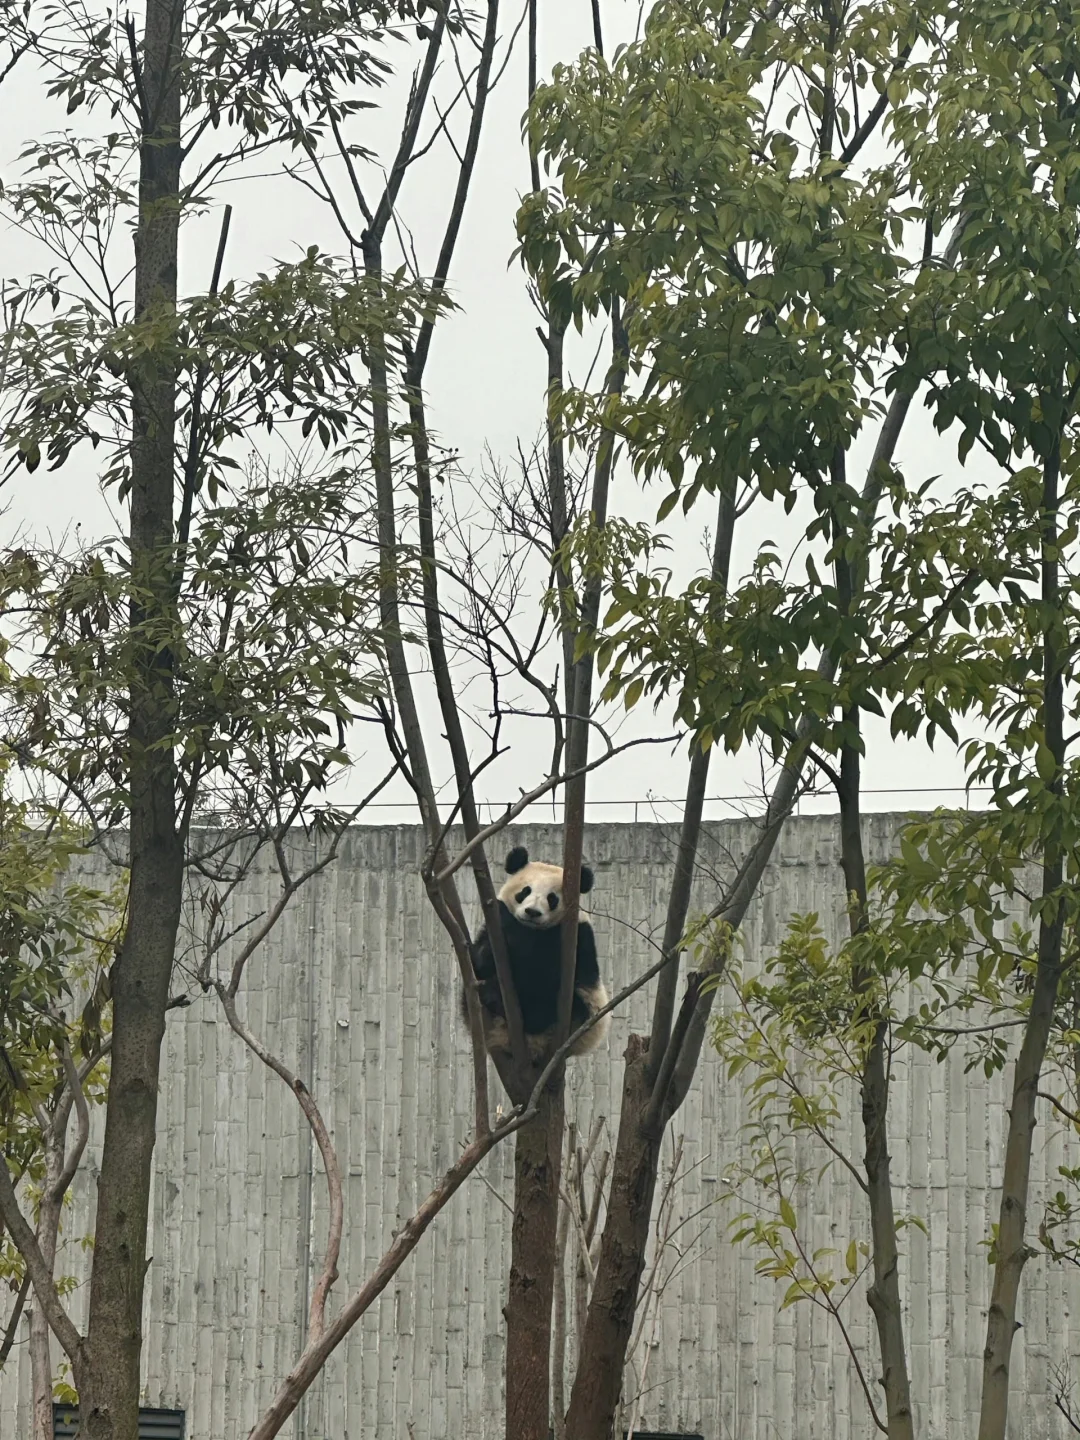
[194, 453]
[457, 210]
[1070, 1115]
[291, 884]
[13, 1323]
[413, 115]
[459, 750]
[45, 1291]
[734, 905]
[331, 1168]
[869, 125]
[316, 1351]
[82, 1133]
[686, 857]
[580, 688]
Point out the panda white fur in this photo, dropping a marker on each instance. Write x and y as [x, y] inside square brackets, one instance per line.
[531, 911]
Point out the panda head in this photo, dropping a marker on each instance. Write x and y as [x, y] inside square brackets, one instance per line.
[533, 890]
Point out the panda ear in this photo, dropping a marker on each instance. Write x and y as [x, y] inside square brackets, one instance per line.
[586, 879]
[517, 859]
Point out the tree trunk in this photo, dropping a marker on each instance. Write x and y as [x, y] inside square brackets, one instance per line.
[597, 1386]
[1013, 1252]
[633, 1147]
[559, 1328]
[539, 1147]
[537, 1170]
[884, 1293]
[1012, 1248]
[48, 1228]
[594, 1399]
[40, 1374]
[598, 1383]
[140, 979]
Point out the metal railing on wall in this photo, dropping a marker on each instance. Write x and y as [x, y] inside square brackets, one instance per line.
[660, 810]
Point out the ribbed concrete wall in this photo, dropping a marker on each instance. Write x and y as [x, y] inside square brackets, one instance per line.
[357, 989]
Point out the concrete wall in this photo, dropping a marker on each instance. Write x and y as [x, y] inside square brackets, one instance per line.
[357, 989]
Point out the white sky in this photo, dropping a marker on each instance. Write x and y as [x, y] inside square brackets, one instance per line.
[485, 388]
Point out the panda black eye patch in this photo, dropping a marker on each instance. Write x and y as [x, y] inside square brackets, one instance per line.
[553, 902]
[522, 895]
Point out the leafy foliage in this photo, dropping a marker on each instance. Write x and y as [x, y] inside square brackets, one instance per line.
[57, 939]
[274, 646]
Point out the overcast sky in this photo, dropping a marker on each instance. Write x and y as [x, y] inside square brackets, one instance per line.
[485, 387]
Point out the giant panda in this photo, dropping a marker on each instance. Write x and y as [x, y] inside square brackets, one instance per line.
[531, 911]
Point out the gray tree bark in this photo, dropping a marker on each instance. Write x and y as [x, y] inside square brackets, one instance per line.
[141, 975]
[1013, 1251]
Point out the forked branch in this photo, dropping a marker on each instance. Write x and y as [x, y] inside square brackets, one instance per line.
[331, 1168]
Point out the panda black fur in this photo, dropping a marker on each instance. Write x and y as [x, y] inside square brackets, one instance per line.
[531, 911]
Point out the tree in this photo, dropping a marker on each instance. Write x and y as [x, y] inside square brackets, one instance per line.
[1012, 169]
[210, 668]
[770, 297]
[764, 274]
[214, 658]
[775, 304]
[57, 935]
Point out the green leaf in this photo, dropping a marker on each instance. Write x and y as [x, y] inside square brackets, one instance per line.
[667, 505]
[1045, 762]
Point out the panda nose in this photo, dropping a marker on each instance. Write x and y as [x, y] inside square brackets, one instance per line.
[532, 912]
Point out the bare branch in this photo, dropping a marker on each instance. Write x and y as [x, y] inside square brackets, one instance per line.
[661, 1105]
[293, 883]
[1062, 1387]
[531, 796]
[579, 1230]
[331, 1168]
[137, 73]
[459, 752]
[534, 161]
[958, 1030]
[558, 1325]
[457, 209]
[413, 115]
[317, 1350]
[195, 436]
